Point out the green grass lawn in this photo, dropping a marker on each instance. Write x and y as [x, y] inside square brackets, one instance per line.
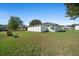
[33, 43]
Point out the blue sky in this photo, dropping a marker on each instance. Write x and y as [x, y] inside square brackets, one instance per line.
[52, 12]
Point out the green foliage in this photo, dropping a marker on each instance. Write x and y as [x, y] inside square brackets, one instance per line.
[14, 23]
[9, 33]
[72, 10]
[35, 22]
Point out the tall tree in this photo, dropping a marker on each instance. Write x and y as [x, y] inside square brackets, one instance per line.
[13, 24]
[35, 22]
[72, 10]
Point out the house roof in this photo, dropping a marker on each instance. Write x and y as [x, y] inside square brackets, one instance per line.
[47, 24]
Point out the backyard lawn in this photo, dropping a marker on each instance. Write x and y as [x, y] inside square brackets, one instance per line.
[33, 43]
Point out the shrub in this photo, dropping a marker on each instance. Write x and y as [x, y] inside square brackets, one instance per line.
[9, 33]
[62, 31]
[15, 36]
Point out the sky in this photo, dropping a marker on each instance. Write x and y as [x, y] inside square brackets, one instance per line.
[46, 12]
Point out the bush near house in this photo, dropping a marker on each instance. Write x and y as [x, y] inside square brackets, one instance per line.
[9, 33]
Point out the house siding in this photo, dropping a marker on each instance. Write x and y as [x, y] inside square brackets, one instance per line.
[77, 27]
[44, 28]
[34, 29]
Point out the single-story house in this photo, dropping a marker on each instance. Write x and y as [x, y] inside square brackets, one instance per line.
[67, 27]
[22, 27]
[3, 27]
[44, 27]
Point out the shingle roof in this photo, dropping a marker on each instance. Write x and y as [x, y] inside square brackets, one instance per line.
[47, 23]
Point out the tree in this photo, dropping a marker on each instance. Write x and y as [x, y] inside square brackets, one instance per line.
[13, 24]
[35, 22]
[20, 22]
[72, 10]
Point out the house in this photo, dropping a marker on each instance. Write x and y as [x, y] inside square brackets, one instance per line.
[44, 27]
[3, 27]
[67, 27]
[62, 27]
[75, 26]
[22, 27]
